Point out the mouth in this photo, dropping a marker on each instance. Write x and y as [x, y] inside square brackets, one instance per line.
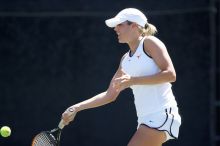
[118, 34]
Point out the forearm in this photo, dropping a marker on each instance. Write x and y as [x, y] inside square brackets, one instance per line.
[96, 101]
[101, 99]
[161, 77]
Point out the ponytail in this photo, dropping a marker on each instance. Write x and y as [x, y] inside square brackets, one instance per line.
[149, 29]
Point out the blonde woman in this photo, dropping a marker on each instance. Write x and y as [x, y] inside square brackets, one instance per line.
[148, 70]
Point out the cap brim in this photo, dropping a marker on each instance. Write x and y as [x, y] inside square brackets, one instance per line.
[113, 22]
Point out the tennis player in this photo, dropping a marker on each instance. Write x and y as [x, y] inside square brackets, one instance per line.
[148, 70]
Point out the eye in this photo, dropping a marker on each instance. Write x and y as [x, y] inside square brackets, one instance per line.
[120, 24]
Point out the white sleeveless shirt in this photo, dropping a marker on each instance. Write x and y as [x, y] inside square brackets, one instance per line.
[147, 98]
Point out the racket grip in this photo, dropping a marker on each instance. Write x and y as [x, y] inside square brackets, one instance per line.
[61, 124]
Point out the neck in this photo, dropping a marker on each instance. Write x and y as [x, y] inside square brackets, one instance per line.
[133, 45]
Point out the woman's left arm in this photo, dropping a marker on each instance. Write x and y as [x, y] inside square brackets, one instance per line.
[157, 50]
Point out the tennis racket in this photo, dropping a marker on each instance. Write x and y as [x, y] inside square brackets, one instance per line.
[49, 138]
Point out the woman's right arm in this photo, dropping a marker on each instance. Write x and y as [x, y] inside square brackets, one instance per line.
[98, 100]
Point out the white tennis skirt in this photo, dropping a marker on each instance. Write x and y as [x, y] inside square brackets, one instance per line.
[168, 120]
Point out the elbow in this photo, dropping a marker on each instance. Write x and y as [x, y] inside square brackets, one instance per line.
[172, 76]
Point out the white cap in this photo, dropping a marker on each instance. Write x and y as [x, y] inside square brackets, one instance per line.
[128, 14]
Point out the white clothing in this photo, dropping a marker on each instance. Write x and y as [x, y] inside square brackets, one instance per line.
[167, 120]
[149, 99]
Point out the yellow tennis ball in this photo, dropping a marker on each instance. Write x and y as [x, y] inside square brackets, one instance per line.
[5, 131]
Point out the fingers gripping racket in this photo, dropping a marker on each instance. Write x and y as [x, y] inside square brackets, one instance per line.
[49, 138]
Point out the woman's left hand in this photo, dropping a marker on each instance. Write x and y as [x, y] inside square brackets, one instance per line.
[122, 82]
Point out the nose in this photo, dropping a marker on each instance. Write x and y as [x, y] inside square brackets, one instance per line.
[116, 28]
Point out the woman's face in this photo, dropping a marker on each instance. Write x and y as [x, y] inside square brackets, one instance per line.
[124, 32]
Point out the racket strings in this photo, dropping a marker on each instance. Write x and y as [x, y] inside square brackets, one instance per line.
[44, 139]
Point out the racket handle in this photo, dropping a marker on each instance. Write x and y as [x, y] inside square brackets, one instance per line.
[61, 124]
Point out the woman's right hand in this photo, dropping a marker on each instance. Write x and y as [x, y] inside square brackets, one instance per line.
[69, 115]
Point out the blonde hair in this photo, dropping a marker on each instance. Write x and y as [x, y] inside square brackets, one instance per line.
[149, 29]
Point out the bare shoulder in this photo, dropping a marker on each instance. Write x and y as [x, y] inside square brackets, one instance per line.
[153, 45]
[151, 41]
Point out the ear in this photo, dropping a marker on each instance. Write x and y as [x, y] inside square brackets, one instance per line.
[134, 25]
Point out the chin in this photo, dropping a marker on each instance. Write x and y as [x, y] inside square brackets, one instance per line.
[121, 41]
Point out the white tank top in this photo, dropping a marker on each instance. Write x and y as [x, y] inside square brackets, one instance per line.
[147, 98]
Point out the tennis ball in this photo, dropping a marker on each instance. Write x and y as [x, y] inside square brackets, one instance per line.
[5, 131]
